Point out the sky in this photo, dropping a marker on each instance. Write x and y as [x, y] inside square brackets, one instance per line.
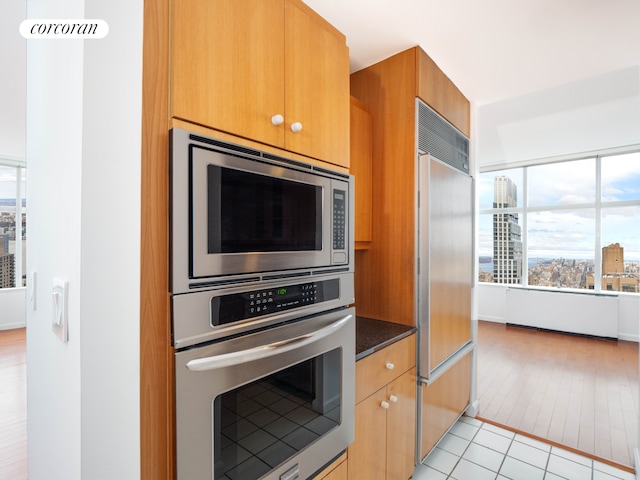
[570, 231]
[8, 182]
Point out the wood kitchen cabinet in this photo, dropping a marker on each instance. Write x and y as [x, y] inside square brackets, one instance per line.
[385, 423]
[386, 271]
[386, 278]
[361, 169]
[272, 71]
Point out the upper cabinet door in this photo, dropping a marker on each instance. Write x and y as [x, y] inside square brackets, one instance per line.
[272, 71]
[317, 86]
[227, 66]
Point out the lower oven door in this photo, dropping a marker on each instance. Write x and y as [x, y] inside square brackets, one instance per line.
[274, 404]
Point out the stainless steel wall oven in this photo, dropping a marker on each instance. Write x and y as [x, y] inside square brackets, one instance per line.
[273, 404]
[261, 288]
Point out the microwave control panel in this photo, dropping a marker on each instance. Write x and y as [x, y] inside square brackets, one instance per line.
[339, 219]
[234, 307]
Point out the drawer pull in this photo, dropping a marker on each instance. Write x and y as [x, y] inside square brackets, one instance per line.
[384, 404]
[390, 366]
[393, 399]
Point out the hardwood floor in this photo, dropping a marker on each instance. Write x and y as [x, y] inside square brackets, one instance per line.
[573, 391]
[13, 405]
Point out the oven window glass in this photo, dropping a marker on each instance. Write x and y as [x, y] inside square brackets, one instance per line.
[260, 425]
[248, 212]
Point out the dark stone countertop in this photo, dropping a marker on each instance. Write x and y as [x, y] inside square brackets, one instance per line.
[372, 335]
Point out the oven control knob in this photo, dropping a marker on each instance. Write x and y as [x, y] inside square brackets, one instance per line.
[393, 399]
[277, 120]
[384, 404]
[390, 366]
[296, 127]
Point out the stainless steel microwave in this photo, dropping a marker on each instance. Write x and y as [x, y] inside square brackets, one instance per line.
[240, 215]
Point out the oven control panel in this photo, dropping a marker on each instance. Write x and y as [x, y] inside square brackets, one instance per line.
[234, 307]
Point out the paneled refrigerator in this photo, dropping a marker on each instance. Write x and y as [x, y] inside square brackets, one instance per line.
[444, 278]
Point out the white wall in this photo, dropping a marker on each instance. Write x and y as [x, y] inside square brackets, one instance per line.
[12, 314]
[13, 91]
[83, 155]
[592, 114]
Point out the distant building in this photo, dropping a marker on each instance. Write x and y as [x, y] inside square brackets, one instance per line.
[4, 243]
[7, 270]
[614, 277]
[613, 259]
[507, 234]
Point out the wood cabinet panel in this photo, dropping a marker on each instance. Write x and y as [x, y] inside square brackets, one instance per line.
[156, 354]
[361, 149]
[443, 401]
[372, 372]
[384, 445]
[227, 65]
[367, 457]
[235, 65]
[440, 93]
[401, 427]
[316, 86]
[385, 273]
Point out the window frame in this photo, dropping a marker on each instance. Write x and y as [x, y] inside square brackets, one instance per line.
[20, 166]
[598, 205]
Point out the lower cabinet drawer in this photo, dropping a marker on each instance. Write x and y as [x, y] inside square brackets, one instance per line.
[380, 368]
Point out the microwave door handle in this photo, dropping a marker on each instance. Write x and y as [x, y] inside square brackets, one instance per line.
[263, 351]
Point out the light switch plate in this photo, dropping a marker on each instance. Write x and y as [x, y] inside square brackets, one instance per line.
[60, 323]
[32, 290]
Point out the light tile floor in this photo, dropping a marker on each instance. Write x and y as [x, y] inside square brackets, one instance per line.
[474, 450]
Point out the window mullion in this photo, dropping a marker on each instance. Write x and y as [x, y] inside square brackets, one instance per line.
[525, 236]
[18, 254]
[597, 254]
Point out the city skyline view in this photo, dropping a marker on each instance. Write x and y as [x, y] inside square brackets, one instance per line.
[561, 207]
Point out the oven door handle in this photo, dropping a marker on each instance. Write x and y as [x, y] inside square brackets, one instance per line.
[264, 351]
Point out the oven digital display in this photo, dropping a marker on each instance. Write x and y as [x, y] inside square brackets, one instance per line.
[241, 306]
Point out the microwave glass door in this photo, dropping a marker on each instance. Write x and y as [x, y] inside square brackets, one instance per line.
[249, 212]
[249, 216]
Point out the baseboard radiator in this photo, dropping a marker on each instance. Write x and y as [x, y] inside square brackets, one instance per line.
[589, 314]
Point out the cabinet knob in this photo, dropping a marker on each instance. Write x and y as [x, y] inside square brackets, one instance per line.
[277, 120]
[296, 127]
[390, 366]
[384, 404]
[393, 399]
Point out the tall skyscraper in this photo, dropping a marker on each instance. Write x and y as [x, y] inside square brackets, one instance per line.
[507, 234]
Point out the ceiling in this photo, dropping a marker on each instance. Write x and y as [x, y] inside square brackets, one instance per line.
[494, 49]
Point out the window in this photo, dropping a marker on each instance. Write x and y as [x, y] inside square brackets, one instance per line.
[12, 225]
[568, 224]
